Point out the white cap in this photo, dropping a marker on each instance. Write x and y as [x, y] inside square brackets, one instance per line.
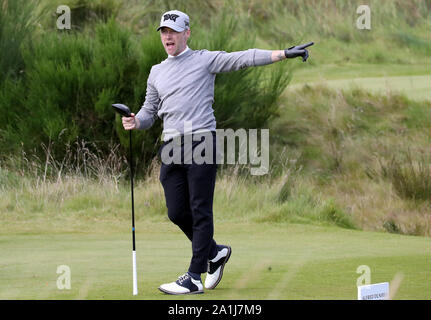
[175, 20]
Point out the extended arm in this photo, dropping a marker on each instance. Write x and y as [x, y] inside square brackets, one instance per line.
[220, 61]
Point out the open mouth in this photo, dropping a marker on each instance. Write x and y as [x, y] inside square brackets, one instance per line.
[170, 45]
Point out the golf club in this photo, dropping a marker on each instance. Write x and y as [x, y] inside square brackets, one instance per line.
[125, 112]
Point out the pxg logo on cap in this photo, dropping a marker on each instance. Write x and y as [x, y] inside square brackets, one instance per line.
[175, 20]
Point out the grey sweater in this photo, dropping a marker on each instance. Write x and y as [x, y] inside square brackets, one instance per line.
[181, 89]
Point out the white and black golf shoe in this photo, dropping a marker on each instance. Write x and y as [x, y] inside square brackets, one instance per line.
[216, 266]
[184, 285]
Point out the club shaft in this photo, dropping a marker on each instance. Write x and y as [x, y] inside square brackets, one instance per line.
[131, 189]
[135, 274]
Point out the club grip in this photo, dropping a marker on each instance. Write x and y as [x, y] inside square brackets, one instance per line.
[135, 276]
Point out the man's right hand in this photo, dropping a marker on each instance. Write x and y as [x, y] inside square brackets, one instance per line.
[129, 123]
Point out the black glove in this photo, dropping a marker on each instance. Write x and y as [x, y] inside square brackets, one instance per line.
[298, 51]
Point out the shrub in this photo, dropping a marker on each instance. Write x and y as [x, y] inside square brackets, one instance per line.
[65, 94]
[72, 78]
[16, 22]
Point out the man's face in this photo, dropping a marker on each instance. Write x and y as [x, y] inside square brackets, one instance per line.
[174, 42]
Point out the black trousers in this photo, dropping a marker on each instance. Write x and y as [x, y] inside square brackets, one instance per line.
[189, 193]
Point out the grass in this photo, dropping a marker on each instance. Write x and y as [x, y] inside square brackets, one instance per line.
[79, 201]
[293, 240]
[323, 147]
[337, 71]
[284, 228]
[338, 136]
[410, 178]
[284, 261]
[417, 87]
[298, 233]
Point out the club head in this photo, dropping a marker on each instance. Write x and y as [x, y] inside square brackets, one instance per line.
[122, 109]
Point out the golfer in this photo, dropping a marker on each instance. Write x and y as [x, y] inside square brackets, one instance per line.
[181, 90]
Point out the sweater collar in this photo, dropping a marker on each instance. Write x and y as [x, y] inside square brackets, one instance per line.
[184, 51]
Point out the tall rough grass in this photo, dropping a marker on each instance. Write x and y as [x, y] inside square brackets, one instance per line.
[364, 150]
[409, 175]
[76, 198]
[81, 159]
[328, 125]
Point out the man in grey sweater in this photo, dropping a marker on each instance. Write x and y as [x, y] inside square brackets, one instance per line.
[180, 90]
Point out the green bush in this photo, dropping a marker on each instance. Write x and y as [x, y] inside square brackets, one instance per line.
[71, 81]
[16, 22]
[65, 94]
[72, 78]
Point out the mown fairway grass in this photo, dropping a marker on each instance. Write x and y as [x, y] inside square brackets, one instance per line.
[415, 87]
[413, 80]
[340, 71]
[269, 261]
